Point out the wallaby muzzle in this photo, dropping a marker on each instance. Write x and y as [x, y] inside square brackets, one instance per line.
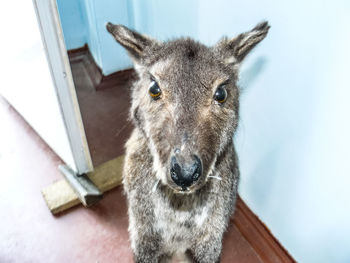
[184, 175]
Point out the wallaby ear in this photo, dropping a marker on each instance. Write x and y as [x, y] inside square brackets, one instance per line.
[236, 49]
[134, 42]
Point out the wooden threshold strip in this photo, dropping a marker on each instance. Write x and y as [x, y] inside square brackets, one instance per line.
[60, 196]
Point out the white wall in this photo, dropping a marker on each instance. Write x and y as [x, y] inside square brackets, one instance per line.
[26, 80]
[165, 20]
[293, 142]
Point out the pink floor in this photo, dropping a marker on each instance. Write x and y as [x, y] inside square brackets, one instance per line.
[28, 231]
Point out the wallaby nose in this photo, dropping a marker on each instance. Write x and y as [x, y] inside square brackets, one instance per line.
[185, 175]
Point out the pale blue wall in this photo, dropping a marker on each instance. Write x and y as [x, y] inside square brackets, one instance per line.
[293, 141]
[166, 19]
[83, 21]
[109, 56]
[73, 23]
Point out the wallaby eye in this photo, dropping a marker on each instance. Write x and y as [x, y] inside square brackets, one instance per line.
[154, 90]
[220, 94]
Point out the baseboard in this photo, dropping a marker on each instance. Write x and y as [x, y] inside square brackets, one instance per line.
[258, 235]
[83, 55]
[99, 80]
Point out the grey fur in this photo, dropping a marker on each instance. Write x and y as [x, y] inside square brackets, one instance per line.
[164, 221]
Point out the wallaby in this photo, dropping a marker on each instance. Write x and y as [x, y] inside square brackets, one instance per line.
[181, 170]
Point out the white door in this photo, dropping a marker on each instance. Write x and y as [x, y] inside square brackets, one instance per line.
[37, 81]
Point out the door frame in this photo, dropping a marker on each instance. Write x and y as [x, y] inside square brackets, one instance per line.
[56, 53]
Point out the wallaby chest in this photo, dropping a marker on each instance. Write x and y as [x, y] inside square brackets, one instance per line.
[179, 219]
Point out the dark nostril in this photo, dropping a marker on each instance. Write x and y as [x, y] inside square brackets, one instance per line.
[175, 171]
[196, 173]
[197, 167]
[185, 175]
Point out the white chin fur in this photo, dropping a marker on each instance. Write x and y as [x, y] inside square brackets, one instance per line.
[158, 169]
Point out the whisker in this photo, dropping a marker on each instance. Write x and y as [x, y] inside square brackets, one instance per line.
[215, 177]
[155, 186]
[122, 128]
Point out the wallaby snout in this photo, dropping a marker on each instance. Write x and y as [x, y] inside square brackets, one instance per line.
[186, 173]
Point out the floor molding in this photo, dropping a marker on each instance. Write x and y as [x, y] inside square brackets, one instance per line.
[83, 54]
[99, 80]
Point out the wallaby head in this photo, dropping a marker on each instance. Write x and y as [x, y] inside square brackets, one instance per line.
[186, 101]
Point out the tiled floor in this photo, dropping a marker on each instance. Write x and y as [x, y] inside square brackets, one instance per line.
[28, 231]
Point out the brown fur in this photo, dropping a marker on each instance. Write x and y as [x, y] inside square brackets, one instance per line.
[164, 219]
